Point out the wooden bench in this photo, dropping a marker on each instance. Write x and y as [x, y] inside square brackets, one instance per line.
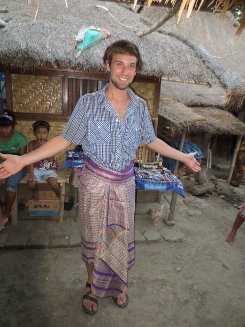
[63, 178]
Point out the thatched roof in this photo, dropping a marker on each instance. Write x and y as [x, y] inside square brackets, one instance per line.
[235, 99]
[179, 115]
[213, 41]
[46, 41]
[214, 49]
[192, 95]
[187, 8]
[200, 119]
[206, 30]
[218, 121]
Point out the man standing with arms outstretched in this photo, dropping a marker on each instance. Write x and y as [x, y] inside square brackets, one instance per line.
[110, 124]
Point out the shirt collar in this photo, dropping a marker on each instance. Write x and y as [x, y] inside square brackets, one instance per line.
[134, 98]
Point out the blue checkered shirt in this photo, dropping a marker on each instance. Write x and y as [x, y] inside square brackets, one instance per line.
[95, 125]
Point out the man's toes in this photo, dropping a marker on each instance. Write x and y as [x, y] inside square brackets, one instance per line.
[90, 305]
[121, 299]
[87, 305]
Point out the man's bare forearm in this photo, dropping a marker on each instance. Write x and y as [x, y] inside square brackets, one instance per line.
[50, 148]
[165, 150]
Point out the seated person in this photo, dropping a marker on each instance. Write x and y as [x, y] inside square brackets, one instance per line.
[11, 142]
[46, 168]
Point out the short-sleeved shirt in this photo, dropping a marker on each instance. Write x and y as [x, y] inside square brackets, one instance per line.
[104, 138]
[13, 146]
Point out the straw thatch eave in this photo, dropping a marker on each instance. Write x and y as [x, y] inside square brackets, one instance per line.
[26, 43]
[200, 119]
[235, 99]
[220, 121]
[180, 116]
[194, 95]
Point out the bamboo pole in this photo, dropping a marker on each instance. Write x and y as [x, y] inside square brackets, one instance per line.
[1, 104]
[169, 221]
[238, 143]
[159, 23]
[209, 156]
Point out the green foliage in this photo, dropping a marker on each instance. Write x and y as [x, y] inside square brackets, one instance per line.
[237, 12]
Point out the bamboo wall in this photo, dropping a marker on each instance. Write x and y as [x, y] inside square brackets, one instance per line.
[37, 94]
[147, 91]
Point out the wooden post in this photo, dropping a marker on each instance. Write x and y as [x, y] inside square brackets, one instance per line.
[14, 210]
[209, 156]
[62, 199]
[169, 221]
[238, 143]
[1, 106]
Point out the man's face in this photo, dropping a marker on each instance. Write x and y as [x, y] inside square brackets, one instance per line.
[122, 70]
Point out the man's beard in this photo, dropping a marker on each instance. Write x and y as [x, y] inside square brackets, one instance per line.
[117, 85]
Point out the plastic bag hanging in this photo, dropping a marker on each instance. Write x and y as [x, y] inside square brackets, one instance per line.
[89, 37]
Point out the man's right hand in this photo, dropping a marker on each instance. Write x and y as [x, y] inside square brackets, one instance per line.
[11, 165]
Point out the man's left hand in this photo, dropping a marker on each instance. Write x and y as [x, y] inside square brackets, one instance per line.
[191, 162]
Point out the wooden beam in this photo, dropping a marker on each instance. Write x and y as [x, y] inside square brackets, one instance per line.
[8, 88]
[231, 170]
[169, 221]
[65, 95]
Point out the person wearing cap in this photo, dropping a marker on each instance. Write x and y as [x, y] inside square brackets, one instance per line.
[11, 142]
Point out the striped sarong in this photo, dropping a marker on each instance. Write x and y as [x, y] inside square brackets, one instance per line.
[106, 208]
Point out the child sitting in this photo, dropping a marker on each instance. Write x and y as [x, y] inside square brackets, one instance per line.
[43, 169]
[46, 168]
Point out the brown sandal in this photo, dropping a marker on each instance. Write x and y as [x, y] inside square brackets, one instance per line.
[90, 298]
[123, 305]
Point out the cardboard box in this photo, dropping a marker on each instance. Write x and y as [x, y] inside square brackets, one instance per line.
[47, 195]
[44, 207]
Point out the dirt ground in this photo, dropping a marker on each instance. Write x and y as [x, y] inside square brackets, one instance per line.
[189, 278]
